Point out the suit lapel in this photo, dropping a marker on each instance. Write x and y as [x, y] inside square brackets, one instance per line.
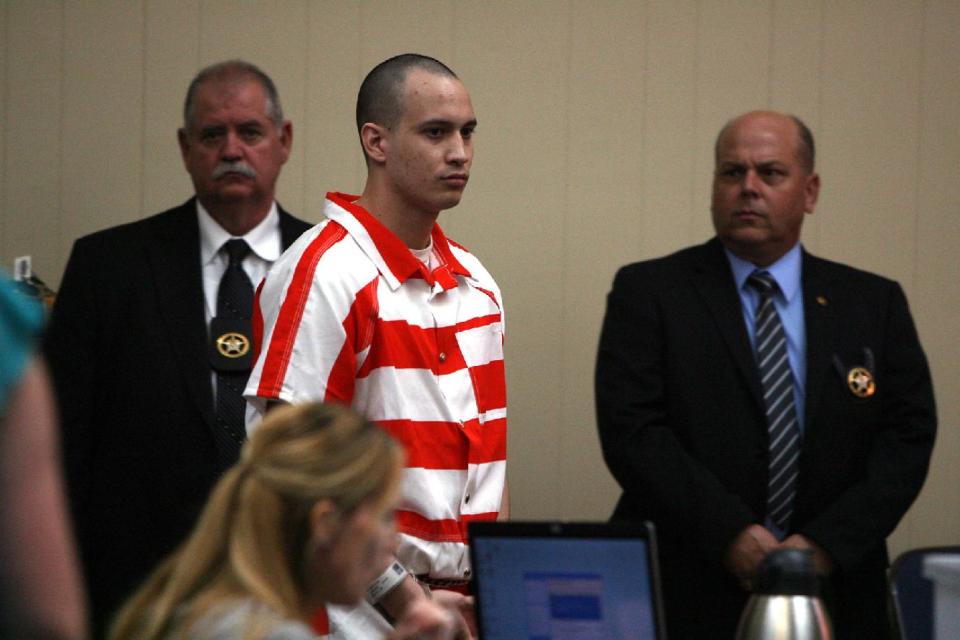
[290, 228]
[819, 312]
[174, 257]
[714, 281]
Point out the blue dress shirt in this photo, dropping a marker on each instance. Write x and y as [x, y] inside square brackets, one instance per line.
[789, 304]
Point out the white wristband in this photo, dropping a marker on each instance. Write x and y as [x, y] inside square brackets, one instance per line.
[387, 582]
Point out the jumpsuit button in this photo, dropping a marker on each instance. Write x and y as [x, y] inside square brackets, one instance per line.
[443, 357]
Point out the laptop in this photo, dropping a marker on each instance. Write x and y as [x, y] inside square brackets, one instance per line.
[566, 581]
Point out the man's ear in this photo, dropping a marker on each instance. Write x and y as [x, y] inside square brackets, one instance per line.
[811, 192]
[184, 142]
[286, 138]
[373, 137]
[324, 521]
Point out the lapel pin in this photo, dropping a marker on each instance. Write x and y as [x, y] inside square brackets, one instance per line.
[821, 301]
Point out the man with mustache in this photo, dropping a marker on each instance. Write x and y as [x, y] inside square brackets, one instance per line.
[376, 308]
[149, 342]
[752, 397]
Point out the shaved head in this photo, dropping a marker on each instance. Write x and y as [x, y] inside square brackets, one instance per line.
[380, 99]
[805, 150]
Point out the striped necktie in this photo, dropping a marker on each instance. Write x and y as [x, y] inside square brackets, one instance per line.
[778, 395]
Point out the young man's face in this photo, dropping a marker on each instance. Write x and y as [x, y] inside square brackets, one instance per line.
[429, 150]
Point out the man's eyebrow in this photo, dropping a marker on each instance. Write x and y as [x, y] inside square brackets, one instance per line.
[436, 122]
[210, 128]
[222, 125]
[742, 163]
[440, 122]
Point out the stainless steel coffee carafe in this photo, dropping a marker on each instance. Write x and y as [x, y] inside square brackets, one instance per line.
[785, 603]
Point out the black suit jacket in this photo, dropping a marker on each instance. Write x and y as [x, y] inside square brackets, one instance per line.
[127, 347]
[683, 429]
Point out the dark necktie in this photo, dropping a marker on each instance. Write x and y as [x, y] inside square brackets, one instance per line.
[777, 382]
[230, 351]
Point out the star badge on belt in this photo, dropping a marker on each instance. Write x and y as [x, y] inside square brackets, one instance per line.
[233, 345]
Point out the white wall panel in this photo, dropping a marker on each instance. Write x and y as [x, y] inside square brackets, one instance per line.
[675, 192]
[871, 107]
[935, 296]
[606, 200]
[171, 59]
[517, 58]
[334, 161]
[32, 136]
[102, 115]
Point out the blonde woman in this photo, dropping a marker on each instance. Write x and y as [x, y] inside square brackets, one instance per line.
[304, 519]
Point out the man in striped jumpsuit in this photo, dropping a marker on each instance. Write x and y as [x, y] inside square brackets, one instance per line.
[376, 308]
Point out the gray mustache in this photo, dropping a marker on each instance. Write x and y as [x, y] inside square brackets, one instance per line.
[240, 167]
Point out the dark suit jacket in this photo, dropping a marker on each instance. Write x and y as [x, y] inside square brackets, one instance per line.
[682, 425]
[127, 347]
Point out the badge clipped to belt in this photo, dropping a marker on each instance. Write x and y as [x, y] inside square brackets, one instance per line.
[230, 345]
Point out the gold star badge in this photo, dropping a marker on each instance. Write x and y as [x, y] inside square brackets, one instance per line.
[861, 382]
[233, 345]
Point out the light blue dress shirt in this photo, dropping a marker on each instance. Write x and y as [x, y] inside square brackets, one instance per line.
[789, 304]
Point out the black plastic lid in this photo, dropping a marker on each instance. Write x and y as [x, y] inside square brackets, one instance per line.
[787, 572]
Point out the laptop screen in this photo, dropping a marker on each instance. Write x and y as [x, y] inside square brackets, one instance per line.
[565, 581]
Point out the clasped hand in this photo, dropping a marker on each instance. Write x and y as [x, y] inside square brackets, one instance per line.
[751, 546]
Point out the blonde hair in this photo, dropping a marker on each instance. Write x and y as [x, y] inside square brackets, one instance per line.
[251, 536]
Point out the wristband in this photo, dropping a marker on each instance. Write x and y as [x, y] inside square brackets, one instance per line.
[387, 582]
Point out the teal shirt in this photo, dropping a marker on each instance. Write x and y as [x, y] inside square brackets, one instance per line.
[20, 320]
